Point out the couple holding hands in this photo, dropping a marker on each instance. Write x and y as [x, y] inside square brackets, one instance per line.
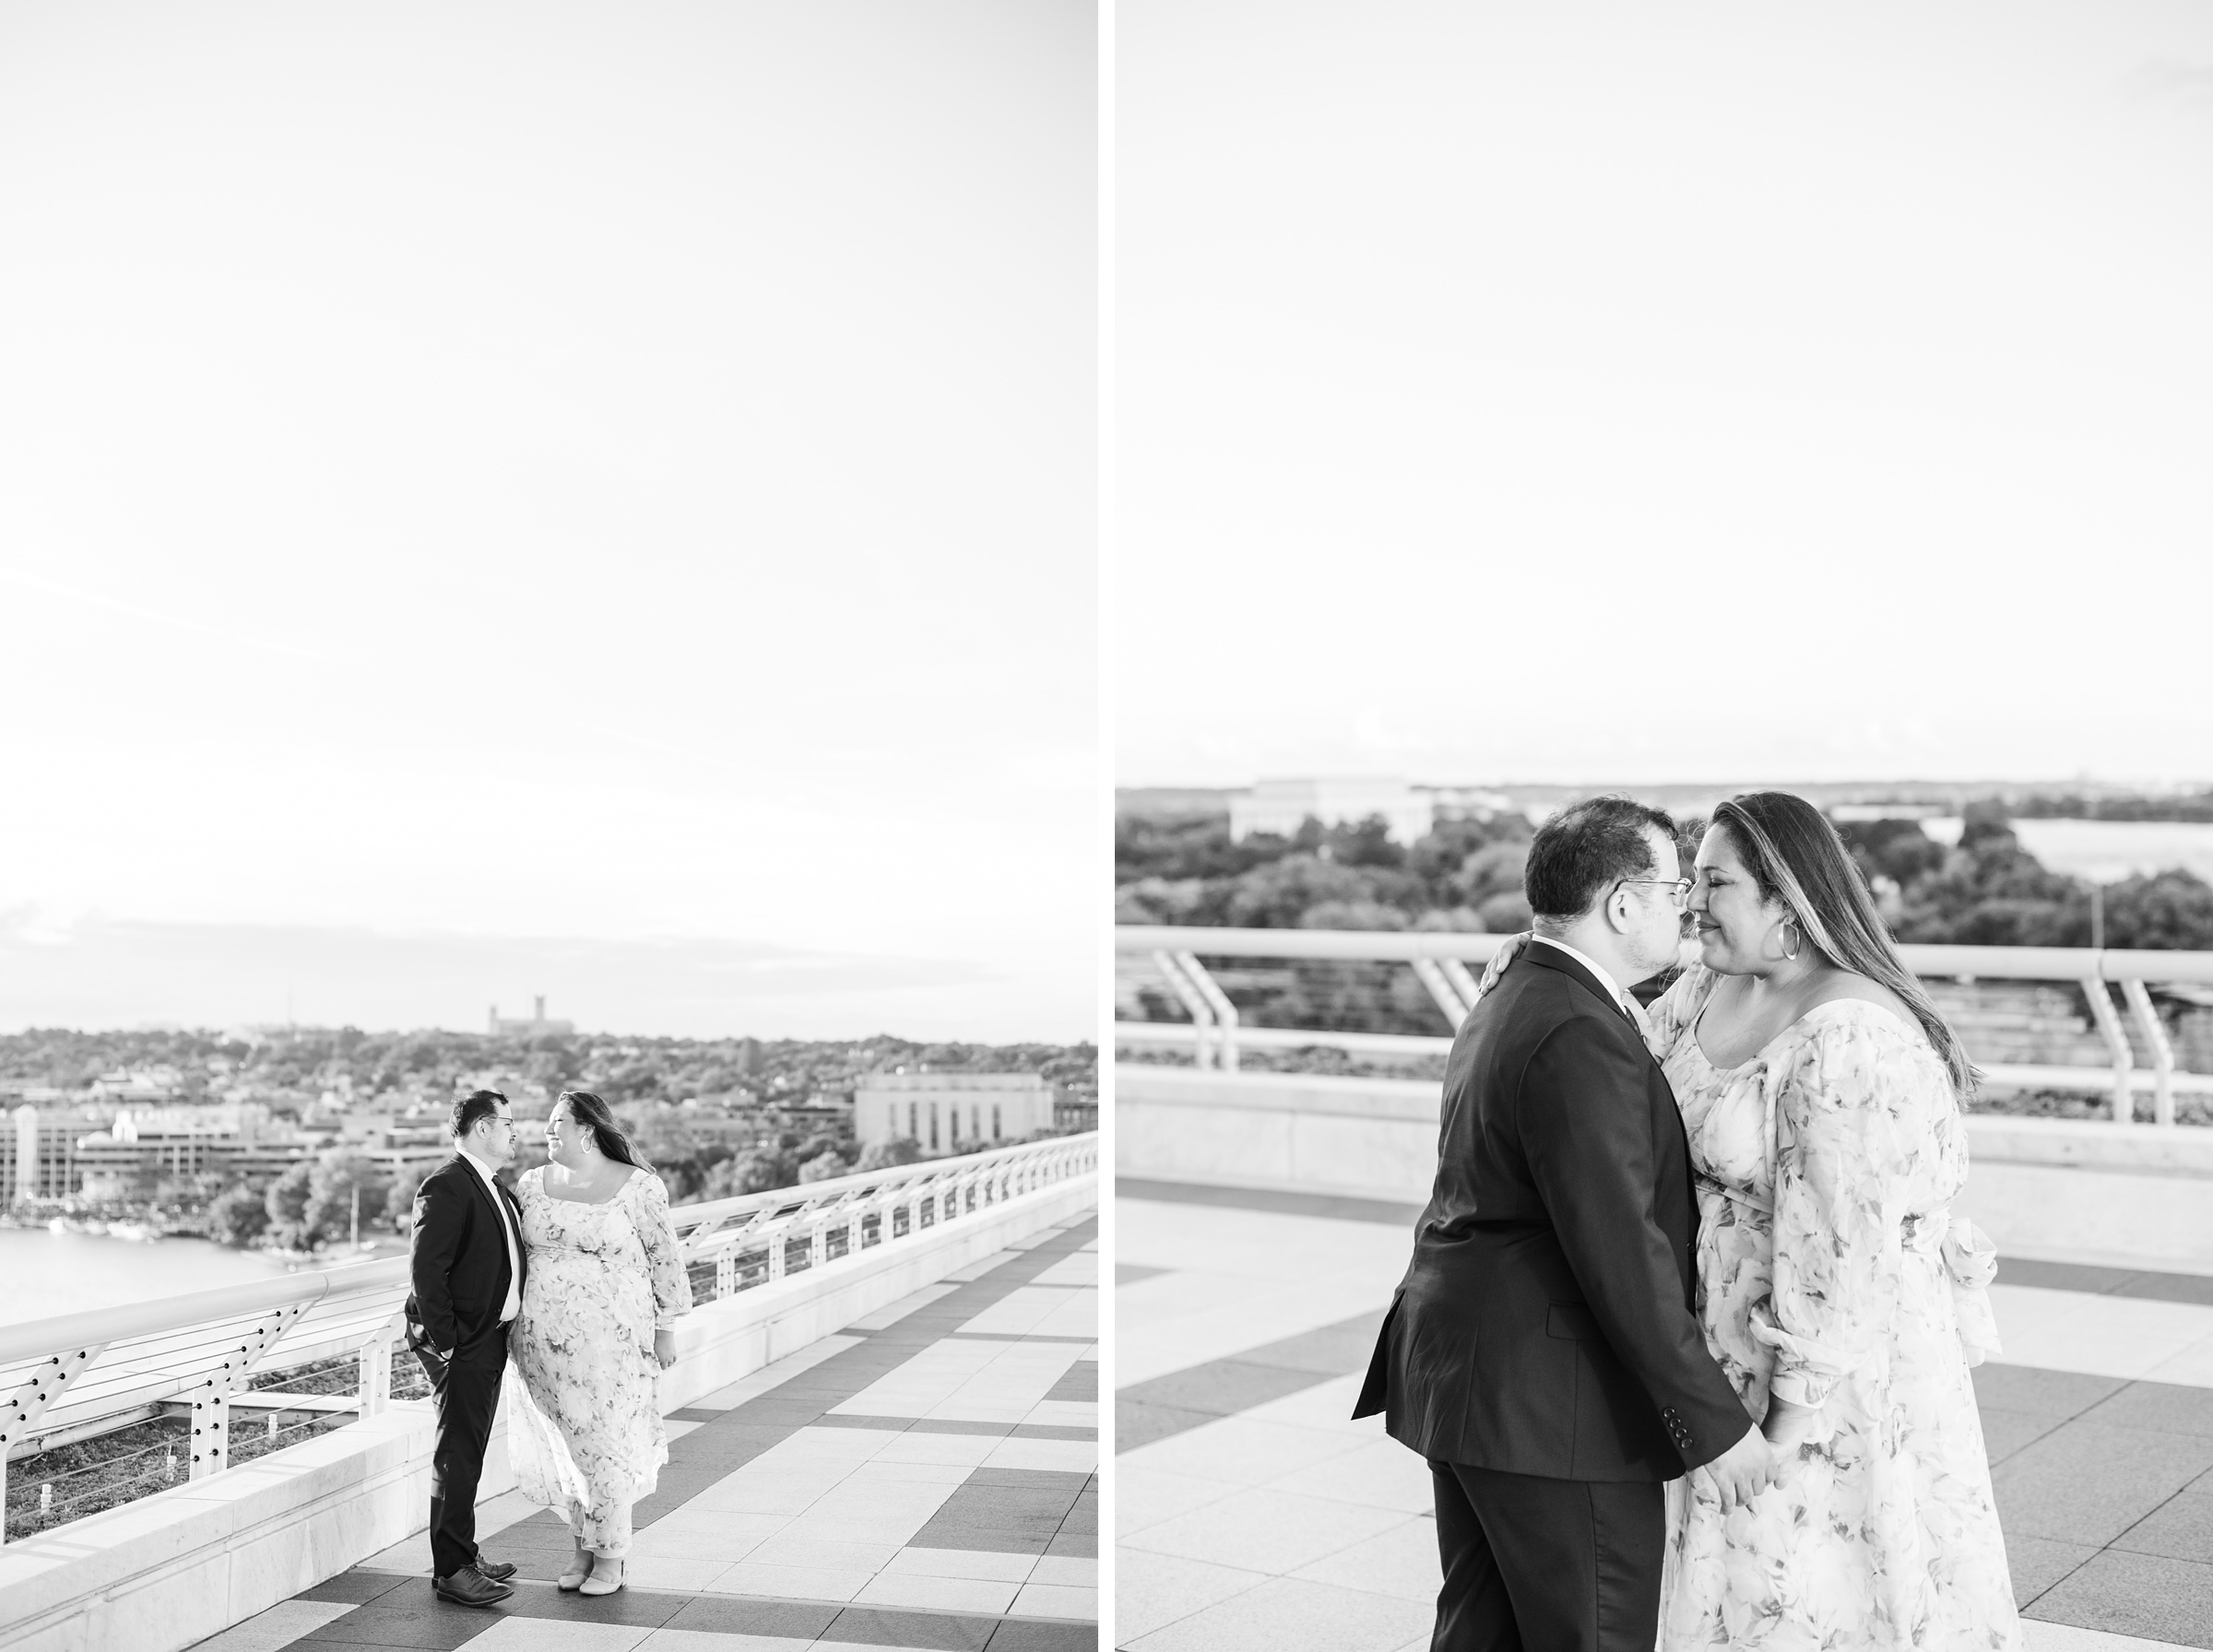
[1686, 1334]
[579, 1276]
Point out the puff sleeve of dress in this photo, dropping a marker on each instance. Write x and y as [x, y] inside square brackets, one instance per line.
[664, 1254]
[1852, 1123]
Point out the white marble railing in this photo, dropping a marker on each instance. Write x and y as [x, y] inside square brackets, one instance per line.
[1441, 961]
[206, 1354]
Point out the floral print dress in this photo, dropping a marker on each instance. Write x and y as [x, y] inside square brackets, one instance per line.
[584, 1430]
[1832, 1273]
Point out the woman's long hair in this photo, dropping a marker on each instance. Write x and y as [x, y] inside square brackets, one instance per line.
[597, 1117]
[1795, 857]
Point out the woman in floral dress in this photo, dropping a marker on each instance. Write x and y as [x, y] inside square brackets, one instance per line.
[1820, 1093]
[606, 1283]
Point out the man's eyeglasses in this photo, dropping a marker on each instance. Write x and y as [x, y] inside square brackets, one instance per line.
[1679, 888]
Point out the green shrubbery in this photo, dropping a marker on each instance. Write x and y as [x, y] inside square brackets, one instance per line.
[1986, 891]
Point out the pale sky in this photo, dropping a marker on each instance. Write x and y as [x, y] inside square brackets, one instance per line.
[593, 498]
[1591, 392]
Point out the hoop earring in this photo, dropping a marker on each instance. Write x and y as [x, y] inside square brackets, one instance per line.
[1789, 951]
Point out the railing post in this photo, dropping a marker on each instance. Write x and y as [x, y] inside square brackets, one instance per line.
[2117, 1041]
[2140, 1009]
[31, 1401]
[1463, 983]
[375, 1391]
[726, 1272]
[818, 1243]
[1443, 990]
[1195, 1001]
[212, 1400]
[1225, 1012]
[211, 1425]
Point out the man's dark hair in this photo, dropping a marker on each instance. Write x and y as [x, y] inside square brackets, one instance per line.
[476, 1104]
[1583, 852]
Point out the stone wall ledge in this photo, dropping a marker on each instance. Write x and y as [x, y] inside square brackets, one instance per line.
[2087, 1190]
[2167, 1150]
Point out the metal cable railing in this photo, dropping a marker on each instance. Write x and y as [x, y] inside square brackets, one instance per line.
[1441, 961]
[80, 1375]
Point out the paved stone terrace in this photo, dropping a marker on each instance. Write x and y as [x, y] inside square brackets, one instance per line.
[1254, 1514]
[927, 1479]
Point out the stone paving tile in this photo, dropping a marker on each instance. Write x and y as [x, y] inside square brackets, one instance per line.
[1166, 1405]
[1155, 1590]
[1017, 1634]
[1287, 1614]
[1402, 1560]
[790, 1620]
[1137, 1423]
[2165, 1407]
[2005, 1433]
[418, 1620]
[1380, 1474]
[2143, 1284]
[354, 1586]
[2179, 1528]
[2143, 1595]
[2065, 1276]
[1220, 1389]
[279, 1626]
[1329, 1207]
[888, 1626]
[2036, 1564]
[1080, 1381]
[1145, 1496]
[2051, 1393]
[2085, 1483]
[522, 1634]
[1266, 1531]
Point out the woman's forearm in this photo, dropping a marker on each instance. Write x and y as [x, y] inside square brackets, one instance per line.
[1788, 1423]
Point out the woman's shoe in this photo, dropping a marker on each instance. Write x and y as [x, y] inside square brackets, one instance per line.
[573, 1580]
[598, 1584]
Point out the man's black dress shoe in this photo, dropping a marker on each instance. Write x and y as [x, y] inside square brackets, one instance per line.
[498, 1571]
[470, 1586]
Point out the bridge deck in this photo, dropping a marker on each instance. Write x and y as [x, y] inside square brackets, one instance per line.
[927, 1479]
[1254, 1514]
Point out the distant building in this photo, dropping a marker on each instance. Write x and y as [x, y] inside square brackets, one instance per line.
[38, 1152]
[1282, 806]
[951, 1112]
[1075, 1114]
[1464, 802]
[150, 1144]
[140, 1085]
[537, 1024]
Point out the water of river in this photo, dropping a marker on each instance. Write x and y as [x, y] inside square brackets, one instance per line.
[2104, 851]
[43, 1273]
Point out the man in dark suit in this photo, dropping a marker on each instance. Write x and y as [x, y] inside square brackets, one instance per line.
[468, 1269]
[1541, 1352]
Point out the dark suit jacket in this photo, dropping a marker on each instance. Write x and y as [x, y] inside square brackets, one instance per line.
[460, 1257]
[1545, 1325]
